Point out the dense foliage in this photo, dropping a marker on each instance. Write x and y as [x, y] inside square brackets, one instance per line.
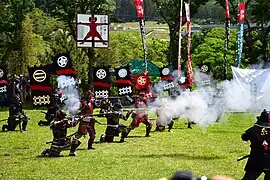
[32, 32]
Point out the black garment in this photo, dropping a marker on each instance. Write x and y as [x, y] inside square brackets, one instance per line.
[60, 140]
[14, 91]
[50, 115]
[16, 116]
[252, 175]
[14, 121]
[113, 127]
[259, 159]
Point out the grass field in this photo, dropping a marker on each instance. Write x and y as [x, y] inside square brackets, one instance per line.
[205, 152]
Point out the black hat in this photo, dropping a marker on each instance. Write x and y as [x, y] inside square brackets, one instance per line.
[264, 118]
[182, 175]
[117, 106]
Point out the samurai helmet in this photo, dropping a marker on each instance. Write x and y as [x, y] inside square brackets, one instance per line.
[264, 118]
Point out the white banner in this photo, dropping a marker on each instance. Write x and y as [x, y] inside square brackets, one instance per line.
[92, 31]
[258, 82]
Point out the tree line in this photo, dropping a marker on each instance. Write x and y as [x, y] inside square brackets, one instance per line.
[32, 32]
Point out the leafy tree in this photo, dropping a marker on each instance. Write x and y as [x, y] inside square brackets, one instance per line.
[260, 13]
[66, 10]
[211, 51]
[125, 46]
[12, 15]
[32, 46]
[170, 12]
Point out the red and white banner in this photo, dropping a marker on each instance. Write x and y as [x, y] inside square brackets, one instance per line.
[142, 81]
[242, 12]
[227, 37]
[227, 10]
[139, 8]
[190, 72]
[180, 39]
[140, 13]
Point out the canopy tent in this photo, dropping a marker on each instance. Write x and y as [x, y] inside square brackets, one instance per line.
[138, 67]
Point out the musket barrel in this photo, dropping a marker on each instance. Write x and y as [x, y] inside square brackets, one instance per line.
[242, 158]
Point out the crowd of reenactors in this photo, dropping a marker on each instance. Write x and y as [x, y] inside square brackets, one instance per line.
[58, 121]
[85, 119]
[259, 135]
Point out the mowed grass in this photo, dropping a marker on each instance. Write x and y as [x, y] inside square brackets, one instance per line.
[211, 151]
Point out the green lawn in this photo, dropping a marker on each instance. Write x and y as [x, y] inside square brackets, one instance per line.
[205, 152]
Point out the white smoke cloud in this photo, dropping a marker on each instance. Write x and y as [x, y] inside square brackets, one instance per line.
[206, 104]
[71, 94]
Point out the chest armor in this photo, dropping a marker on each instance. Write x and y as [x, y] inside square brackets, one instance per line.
[85, 124]
[59, 132]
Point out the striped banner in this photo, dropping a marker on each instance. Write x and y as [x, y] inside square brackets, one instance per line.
[227, 37]
[140, 14]
[190, 72]
[240, 32]
[180, 39]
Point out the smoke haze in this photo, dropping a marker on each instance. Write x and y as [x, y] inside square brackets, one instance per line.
[206, 104]
[71, 94]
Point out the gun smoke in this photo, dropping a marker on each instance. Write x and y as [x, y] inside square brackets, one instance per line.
[70, 93]
[206, 104]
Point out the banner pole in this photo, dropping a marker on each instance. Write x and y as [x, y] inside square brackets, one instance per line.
[180, 38]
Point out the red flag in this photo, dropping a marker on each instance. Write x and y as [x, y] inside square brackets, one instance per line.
[190, 72]
[142, 81]
[242, 12]
[227, 10]
[139, 8]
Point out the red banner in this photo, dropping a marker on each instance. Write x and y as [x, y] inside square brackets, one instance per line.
[41, 88]
[139, 8]
[102, 84]
[142, 81]
[227, 10]
[242, 12]
[190, 72]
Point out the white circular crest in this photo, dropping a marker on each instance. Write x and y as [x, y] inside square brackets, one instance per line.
[101, 74]
[141, 80]
[204, 68]
[122, 73]
[62, 61]
[182, 79]
[165, 71]
[39, 75]
[1, 73]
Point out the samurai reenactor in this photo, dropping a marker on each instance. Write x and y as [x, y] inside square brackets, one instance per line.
[113, 127]
[140, 115]
[16, 114]
[105, 105]
[163, 120]
[61, 141]
[54, 107]
[87, 123]
[259, 158]
[90, 96]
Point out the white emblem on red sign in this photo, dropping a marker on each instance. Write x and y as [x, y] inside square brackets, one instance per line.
[141, 80]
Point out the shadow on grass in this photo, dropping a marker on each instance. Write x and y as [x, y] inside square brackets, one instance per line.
[225, 132]
[114, 142]
[16, 130]
[51, 157]
[135, 137]
[182, 156]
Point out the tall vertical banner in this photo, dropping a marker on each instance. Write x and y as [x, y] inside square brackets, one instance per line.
[140, 13]
[180, 39]
[240, 32]
[190, 72]
[227, 36]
